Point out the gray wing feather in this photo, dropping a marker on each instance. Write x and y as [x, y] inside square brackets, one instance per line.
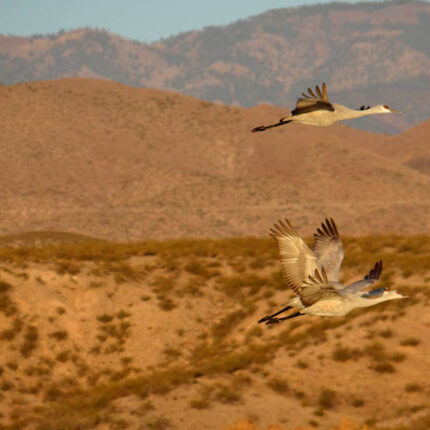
[297, 259]
[328, 248]
[316, 288]
[311, 102]
[373, 275]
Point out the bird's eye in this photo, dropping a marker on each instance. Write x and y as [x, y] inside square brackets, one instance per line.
[386, 107]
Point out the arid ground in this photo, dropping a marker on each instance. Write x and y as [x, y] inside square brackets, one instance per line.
[159, 335]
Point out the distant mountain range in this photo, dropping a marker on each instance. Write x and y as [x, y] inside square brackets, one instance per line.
[100, 158]
[368, 53]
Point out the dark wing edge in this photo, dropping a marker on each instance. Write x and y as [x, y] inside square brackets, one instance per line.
[312, 102]
[374, 273]
[316, 287]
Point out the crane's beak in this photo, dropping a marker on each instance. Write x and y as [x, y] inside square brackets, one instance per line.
[395, 111]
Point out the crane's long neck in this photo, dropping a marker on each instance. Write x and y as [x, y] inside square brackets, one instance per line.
[352, 113]
[362, 302]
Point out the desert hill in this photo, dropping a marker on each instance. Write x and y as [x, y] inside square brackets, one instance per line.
[164, 335]
[368, 53]
[103, 159]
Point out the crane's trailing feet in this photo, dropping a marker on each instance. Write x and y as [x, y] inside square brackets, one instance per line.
[313, 275]
[316, 109]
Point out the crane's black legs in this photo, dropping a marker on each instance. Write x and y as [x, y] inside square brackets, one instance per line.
[265, 127]
[278, 320]
[269, 317]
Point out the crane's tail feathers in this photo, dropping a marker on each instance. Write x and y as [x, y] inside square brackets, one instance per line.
[282, 121]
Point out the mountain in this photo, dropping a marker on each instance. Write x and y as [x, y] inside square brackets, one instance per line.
[96, 157]
[368, 53]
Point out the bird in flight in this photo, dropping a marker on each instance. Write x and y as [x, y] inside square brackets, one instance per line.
[316, 109]
[313, 275]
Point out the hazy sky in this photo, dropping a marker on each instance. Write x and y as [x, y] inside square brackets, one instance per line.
[144, 20]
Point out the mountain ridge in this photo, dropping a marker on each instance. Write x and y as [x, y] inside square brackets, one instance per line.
[368, 53]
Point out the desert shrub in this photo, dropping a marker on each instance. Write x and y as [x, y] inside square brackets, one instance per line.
[256, 331]
[158, 424]
[228, 322]
[163, 284]
[383, 367]
[342, 353]
[67, 267]
[302, 364]
[197, 267]
[4, 287]
[386, 333]
[357, 402]
[123, 272]
[226, 394]
[412, 387]
[327, 398]
[31, 338]
[376, 351]
[165, 303]
[172, 352]
[200, 403]
[7, 334]
[105, 318]
[59, 335]
[122, 314]
[234, 285]
[63, 356]
[410, 341]
[7, 306]
[279, 385]
[397, 357]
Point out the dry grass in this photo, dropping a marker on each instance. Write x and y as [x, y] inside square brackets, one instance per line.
[219, 356]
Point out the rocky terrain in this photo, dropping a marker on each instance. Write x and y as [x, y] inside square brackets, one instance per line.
[368, 53]
[164, 335]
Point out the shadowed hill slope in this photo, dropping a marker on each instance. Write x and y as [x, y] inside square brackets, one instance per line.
[100, 158]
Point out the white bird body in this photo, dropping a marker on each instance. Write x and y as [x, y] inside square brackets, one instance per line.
[316, 109]
[313, 275]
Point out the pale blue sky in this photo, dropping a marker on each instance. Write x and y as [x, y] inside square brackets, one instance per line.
[144, 20]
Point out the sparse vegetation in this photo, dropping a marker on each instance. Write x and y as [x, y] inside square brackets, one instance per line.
[31, 338]
[410, 341]
[279, 385]
[327, 398]
[223, 352]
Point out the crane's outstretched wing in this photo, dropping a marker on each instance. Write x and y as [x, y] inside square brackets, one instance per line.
[368, 280]
[312, 102]
[328, 249]
[299, 264]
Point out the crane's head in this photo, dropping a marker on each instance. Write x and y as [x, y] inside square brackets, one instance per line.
[386, 109]
[392, 295]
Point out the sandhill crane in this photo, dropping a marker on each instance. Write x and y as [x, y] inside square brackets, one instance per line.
[316, 109]
[318, 288]
[329, 252]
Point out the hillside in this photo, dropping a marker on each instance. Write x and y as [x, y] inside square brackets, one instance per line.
[368, 53]
[99, 158]
[164, 335]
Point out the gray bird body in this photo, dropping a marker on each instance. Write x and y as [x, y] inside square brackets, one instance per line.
[316, 109]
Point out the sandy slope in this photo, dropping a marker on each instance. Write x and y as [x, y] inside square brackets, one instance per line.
[100, 158]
